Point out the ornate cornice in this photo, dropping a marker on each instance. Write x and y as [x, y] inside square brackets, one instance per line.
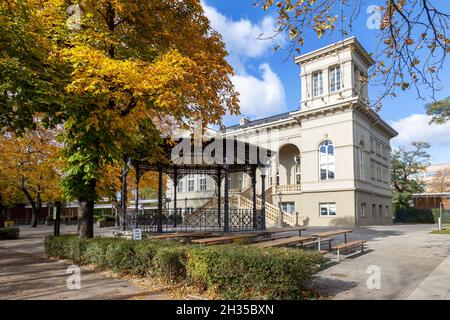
[351, 42]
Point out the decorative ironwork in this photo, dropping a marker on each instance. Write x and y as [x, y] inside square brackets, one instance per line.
[239, 157]
[206, 220]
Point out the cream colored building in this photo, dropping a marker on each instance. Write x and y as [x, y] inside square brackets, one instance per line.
[332, 165]
[435, 176]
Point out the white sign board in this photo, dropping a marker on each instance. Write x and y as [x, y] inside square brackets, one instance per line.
[137, 234]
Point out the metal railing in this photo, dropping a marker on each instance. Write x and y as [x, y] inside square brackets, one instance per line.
[209, 219]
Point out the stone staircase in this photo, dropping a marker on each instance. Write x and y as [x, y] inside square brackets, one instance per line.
[242, 199]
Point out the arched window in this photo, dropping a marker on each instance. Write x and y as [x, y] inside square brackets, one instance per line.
[326, 160]
[361, 161]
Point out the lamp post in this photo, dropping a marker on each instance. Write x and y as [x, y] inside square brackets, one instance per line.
[280, 212]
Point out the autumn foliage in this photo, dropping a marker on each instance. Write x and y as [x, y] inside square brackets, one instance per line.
[115, 74]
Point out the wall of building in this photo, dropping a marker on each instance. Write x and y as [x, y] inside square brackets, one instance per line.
[373, 204]
[345, 207]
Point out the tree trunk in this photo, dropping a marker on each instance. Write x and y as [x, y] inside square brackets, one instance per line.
[85, 218]
[32, 204]
[36, 209]
[86, 214]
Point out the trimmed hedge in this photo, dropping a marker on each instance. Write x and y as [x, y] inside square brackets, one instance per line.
[242, 272]
[9, 233]
[228, 271]
[413, 215]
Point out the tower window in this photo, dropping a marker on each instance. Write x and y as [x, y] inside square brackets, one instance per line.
[317, 84]
[335, 79]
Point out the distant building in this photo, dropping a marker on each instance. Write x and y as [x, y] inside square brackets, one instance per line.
[432, 200]
[436, 178]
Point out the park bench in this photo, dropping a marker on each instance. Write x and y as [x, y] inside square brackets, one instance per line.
[272, 231]
[281, 242]
[326, 234]
[225, 239]
[272, 238]
[315, 242]
[348, 245]
[180, 235]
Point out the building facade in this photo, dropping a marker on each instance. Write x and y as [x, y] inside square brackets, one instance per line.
[332, 165]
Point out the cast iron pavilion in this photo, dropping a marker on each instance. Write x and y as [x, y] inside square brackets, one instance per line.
[216, 158]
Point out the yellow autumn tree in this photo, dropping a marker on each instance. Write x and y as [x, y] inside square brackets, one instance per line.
[30, 165]
[115, 73]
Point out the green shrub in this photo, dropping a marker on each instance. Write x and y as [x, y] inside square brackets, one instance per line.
[64, 247]
[170, 262]
[234, 272]
[413, 215]
[445, 215]
[105, 218]
[9, 233]
[242, 272]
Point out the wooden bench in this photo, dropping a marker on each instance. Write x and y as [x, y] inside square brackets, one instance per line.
[271, 231]
[315, 242]
[325, 234]
[281, 242]
[224, 239]
[180, 235]
[271, 238]
[348, 245]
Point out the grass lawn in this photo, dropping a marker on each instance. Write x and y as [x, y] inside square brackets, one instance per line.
[446, 230]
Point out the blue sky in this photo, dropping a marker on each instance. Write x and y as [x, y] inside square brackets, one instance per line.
[269, 82]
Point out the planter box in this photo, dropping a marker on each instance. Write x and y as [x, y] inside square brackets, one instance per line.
[106, 224]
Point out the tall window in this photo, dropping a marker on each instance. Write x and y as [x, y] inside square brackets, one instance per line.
[374, 208]
[288, 207]
[326, 160]
[363, 209]
[297, 170]
[317, 84]
[269, 173]
[190, 183]
[335, 79]
[361, 161]
[202, 182]
[298, 175]
[180, 186]
[240, 182]
[327, 209]
[386, 211]
[380, 211]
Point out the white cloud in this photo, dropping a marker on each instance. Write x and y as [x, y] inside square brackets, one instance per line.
[260, 97]
[242, 37]
[416, 127]
[261, 94]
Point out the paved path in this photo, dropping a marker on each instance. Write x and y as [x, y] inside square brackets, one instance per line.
[26, 274]
[436, 286]
[412, 262]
